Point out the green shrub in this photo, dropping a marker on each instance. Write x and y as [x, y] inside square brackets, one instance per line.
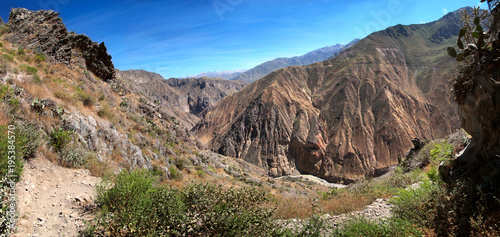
[136, 206]
[1, 44]
[364, 227]
[72, 157]
[441, 152]
[183, 162]
[85, 98]
[200, 173]
[28, 69]
[105, 112]
[40, 57]
[433, 174]
[415, 205]
[59, 138]
[175, 173]
[4, 91]
[20, 51]
[8, 57]
[24, 140]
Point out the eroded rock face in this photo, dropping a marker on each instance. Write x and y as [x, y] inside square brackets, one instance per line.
[345, 118]
[44, 32]
[204, 93]
[480, 117]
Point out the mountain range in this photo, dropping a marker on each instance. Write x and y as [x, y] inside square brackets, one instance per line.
[228, 75]
[265, 68]
[348, 117]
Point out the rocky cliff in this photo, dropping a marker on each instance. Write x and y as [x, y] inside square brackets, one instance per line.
[44, 32]
[184, 99]
[204, 93]
[153, 86]
[477, 92]
[348, 117]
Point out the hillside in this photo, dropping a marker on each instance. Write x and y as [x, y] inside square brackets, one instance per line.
[71, 124]
[183, 99]
[348, 117]
[266, 68]
[204, 93]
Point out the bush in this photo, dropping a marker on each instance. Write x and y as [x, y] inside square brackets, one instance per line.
[441, 152]
[20, 51]
[28, 69]
[72, 157]
[364, 227]
[59, 138]
[97, 168]
[8, 57]
[136, 206]
[105, 112]
[40, 57]
[200, 173]
[183, 162]
[85, 98]
[175, 173]
[26, 141]
[62, 95]
[415, 205]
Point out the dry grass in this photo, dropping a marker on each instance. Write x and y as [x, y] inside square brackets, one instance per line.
[98, 169]
[63, 96]
[36, 90]
[47, 154]
[344, 203]
[292, 207]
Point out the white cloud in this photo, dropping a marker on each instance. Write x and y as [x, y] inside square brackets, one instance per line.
[445, 11]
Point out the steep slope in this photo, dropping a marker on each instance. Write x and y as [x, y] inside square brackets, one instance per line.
[347, 117]
[152, 85]
[204, 93]
[53, 39]
[183, 99]
[264, 69]
[228, 75]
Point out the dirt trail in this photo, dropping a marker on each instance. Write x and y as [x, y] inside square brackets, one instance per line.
[51, 199]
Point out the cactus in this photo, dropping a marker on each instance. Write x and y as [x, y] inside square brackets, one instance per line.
[472, 34]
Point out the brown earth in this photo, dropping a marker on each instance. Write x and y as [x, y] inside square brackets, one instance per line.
[52, 199]
[348, 117]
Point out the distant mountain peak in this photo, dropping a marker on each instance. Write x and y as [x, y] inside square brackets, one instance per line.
[268, 67]
[218, 74]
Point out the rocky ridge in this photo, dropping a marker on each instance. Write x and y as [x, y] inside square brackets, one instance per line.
[204, 93]
[44, 32]
[348, 117]
[266, 68]
[185, 99]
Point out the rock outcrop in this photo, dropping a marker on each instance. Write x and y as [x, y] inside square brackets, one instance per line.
[204, 93]
[44, 32]
[477, 92]
[185, 99]
[348, 117]
[152, 85]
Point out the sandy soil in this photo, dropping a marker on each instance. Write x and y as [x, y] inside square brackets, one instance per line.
[51, 199]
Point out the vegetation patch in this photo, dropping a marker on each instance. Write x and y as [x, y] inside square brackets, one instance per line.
[137, 206]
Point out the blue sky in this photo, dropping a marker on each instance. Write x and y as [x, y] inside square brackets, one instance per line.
[187, 37]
